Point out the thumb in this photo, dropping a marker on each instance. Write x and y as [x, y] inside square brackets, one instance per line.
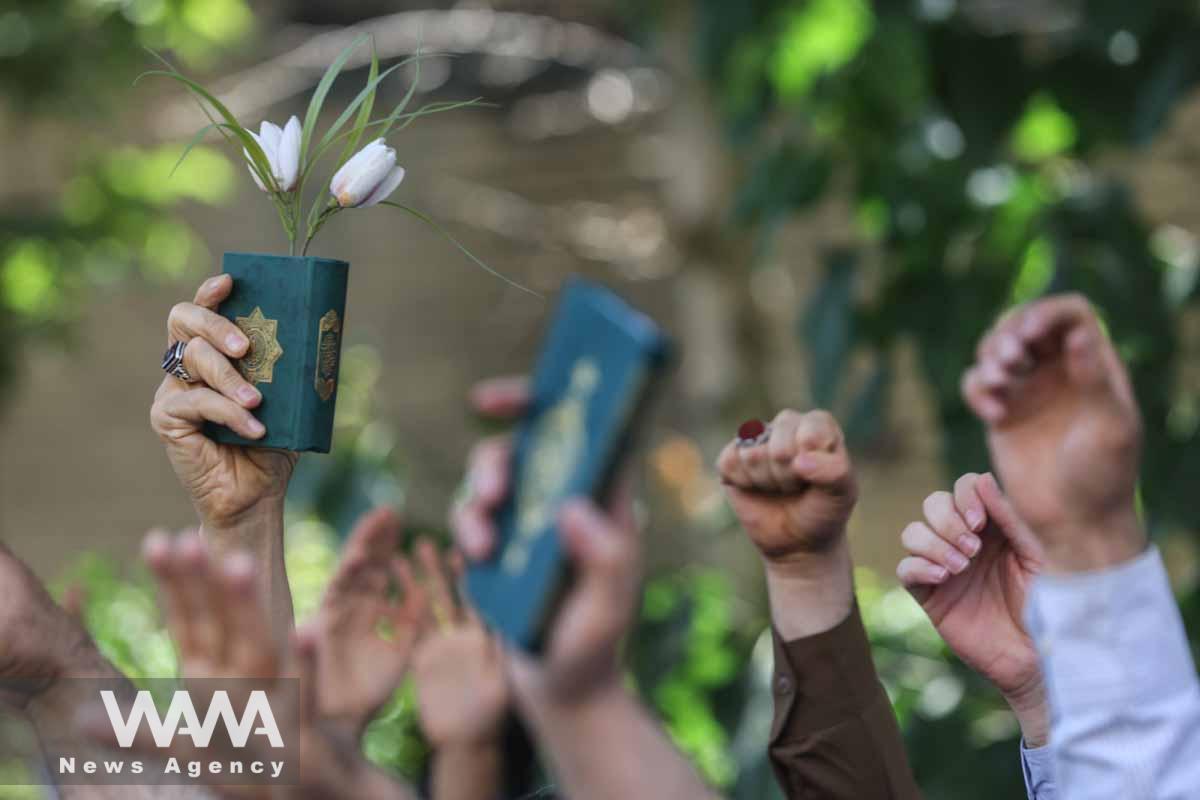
[603, 550]
[1001, 512]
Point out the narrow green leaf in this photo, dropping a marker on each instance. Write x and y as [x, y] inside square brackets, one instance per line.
[195, 140]
[364, 112]
[462, 248]
[408, 96]
[438, 108]
[318, 98]
[257, 156]
[358, 101]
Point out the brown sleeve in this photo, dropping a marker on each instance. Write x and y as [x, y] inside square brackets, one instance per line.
[834, 734]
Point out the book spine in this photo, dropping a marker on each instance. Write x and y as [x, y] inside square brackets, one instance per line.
[303, 424]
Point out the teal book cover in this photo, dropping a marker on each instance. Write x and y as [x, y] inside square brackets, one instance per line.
[293, 310]
[591, 387]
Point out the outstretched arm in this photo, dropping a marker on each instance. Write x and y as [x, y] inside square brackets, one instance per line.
[1065, 435]
[237, 492]
[792, 487]
[602, 741]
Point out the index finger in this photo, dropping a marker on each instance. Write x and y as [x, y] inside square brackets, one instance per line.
[1001, 512]
[1054, 315]
[210, 293]
[502, 398]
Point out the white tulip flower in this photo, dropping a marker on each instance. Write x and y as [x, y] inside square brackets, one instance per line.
[282, 148]
[368, 177]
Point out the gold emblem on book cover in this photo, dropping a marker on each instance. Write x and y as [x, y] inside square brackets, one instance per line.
[258, 365]
[329, 334]
[556, 447]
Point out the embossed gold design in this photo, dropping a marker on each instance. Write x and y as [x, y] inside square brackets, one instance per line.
[557, 445]
[329, 334]
[258, 365]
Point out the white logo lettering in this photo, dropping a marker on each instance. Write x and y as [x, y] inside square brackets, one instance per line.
[181, 718]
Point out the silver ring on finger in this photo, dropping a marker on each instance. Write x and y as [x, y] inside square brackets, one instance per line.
[172, 363]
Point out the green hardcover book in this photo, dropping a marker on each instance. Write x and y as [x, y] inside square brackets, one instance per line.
[293, 310]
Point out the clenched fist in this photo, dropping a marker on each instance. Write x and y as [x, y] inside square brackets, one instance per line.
[793, 492]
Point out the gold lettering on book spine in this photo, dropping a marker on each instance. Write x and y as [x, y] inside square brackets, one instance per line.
[329, 334]
[556, 446]
[258, 365]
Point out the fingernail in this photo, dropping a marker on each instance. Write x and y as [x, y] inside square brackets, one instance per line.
[247, 394]
[969, 543]
[236, 342]
[940, 574]
[255, 427]
[958, 562]
[975, 518]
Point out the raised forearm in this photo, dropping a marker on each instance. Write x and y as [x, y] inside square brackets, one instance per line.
[1116, 539]
[259, 532]
[588, 740]
[810, 593]
[468, 772]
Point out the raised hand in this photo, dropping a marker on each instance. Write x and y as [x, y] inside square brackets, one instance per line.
[221, 627]
[572, 694]
[364, 633]
[583, 646]
[462, 689]
[793, 492]
[970, 565]
[792, 488]
[226, 483]
[1063, 429]
[462, 694]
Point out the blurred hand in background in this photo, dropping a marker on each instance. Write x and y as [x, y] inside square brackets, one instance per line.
[1063, 429]
[368, 622]
[462, 690]
[573, 695]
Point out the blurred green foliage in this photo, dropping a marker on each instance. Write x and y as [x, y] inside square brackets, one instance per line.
[65, 64]
[967, 137]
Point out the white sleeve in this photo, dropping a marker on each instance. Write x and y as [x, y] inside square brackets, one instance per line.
[1037, 765]
[1124, 696]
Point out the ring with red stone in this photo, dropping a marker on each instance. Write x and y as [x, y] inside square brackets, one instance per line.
[753, 432]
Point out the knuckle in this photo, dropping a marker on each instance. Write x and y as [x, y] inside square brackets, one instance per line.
[786, 415]
[966, 482]
[934, 504]
[179, 311]
[822, 416]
